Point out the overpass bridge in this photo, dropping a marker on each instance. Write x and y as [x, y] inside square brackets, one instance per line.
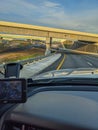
[49, 33]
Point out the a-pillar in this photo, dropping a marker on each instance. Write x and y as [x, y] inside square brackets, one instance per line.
[48, 45]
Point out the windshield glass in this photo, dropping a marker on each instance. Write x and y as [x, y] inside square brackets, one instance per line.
[49, 35]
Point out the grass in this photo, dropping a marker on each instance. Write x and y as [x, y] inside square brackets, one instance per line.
[21, 55]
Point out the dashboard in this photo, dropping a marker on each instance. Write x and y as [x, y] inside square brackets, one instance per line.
[55, 108]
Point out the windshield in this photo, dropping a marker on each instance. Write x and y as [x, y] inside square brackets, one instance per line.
[49, 35]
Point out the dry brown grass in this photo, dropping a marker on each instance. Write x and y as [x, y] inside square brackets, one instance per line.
[20, 55]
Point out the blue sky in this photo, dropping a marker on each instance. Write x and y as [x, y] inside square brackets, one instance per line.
[80, 15]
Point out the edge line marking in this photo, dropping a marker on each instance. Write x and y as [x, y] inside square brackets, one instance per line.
[61, 63]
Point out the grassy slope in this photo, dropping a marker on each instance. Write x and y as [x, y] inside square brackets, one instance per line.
[20, 55]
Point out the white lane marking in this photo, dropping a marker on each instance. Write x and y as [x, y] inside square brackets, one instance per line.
[91, 58]
[89, 63]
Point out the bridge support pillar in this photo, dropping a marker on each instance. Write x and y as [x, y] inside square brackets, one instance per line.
[48, 45]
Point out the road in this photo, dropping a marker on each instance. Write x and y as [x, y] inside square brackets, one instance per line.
[68, 61]
[80, 61]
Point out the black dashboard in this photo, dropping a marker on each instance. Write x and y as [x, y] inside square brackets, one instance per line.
[55, 109]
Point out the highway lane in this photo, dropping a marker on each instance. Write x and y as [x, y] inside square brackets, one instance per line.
[68, 61]
[93, 61]
[79, 61]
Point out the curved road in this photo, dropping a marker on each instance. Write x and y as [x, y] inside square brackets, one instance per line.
[68, 61]
[80, 61]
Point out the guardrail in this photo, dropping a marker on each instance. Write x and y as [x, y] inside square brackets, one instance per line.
[33, 59]
[70, 51]
[23, 62]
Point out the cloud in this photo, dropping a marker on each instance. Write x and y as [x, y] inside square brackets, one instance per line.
[51, 4]
[86, 20]
[17, 7]
[48, 13]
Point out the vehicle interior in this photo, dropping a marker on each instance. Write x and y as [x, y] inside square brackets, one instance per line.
[48, 104]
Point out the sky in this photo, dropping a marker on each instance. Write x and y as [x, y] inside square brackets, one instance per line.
[79, 15]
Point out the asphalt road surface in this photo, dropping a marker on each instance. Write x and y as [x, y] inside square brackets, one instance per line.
[80, 61]
[68, 61]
